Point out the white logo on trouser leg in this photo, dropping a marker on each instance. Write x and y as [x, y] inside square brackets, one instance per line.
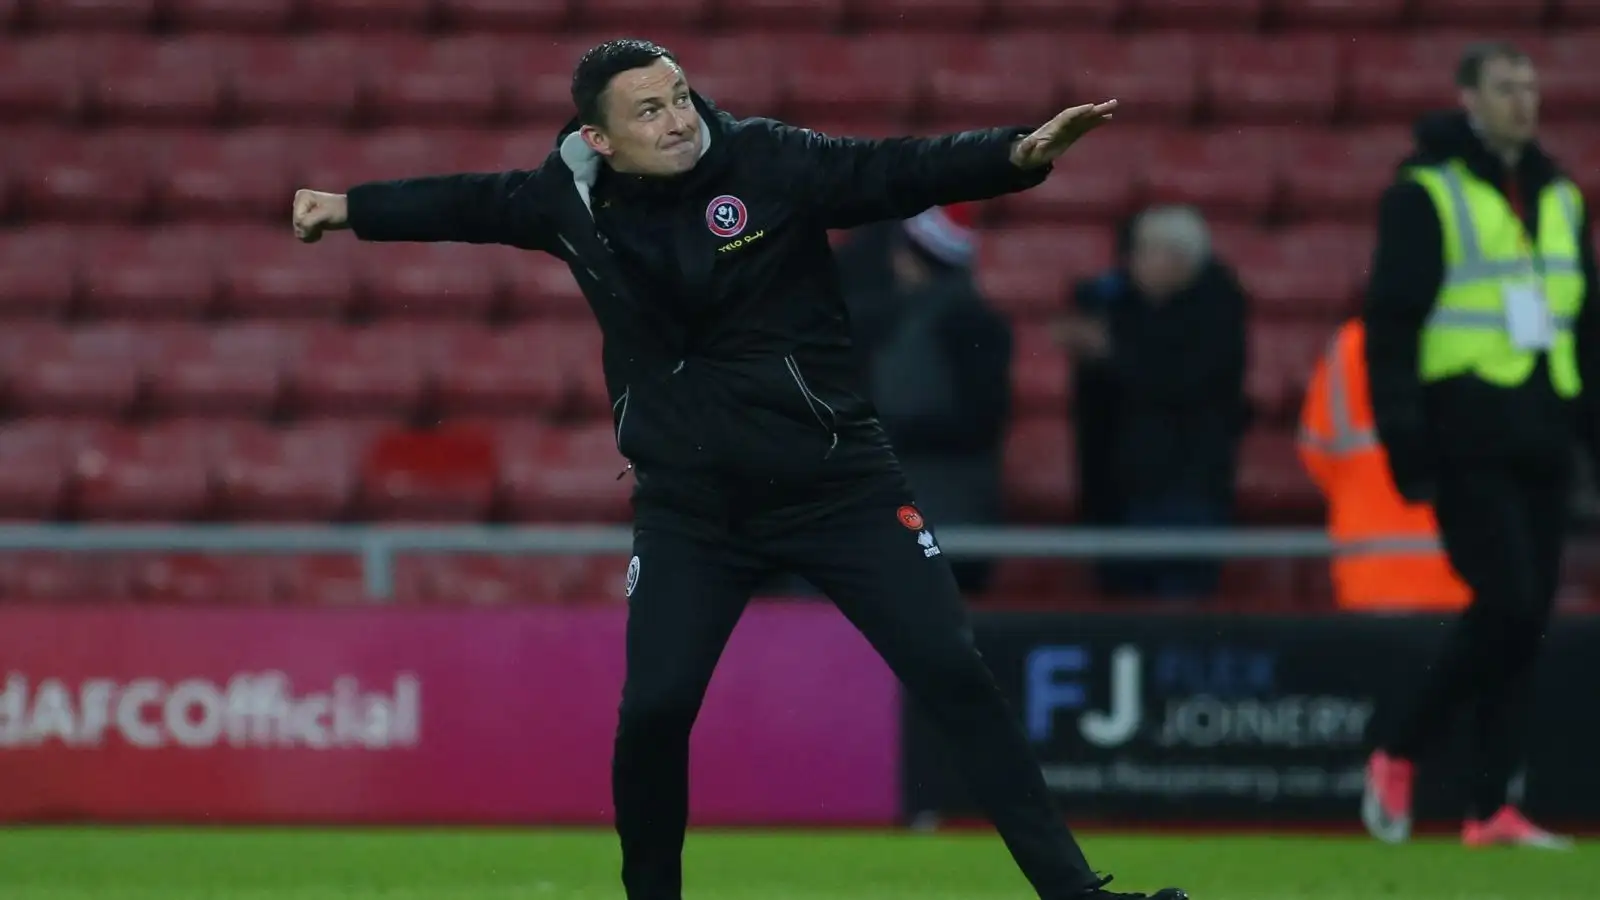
[633, 577]
[929, 548]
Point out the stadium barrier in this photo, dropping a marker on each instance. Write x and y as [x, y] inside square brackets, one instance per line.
[1256, 720]
[416, 716]
[378, 546]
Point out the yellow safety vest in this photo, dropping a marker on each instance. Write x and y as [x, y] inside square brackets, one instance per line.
[1486, 254]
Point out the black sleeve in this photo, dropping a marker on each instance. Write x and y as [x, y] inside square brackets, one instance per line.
[501, 208]
[849, 182]
[1407, 272]
[978, 347]
[1208, 371]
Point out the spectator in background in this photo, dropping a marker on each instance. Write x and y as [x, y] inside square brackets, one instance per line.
[1160, 345]
[939, 368]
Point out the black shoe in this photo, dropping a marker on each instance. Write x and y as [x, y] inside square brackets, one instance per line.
[1098, 892]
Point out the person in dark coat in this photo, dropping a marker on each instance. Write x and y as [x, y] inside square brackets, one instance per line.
[939, 364]
[1164, 335]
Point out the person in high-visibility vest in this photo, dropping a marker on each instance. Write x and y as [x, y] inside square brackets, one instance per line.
[1387, 553]
[1480, 329]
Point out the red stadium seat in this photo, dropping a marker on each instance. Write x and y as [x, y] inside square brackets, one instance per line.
[1340, 14]
[64, 577]
[38, 271]
[89, 372]
[1339, 175]
[918, 15]
[301, 82]
[1230, 174]
[541, 285]
[159, 82]
[1029, 270]
[505, 373]
[267, 274]
[302, 474]
[93, 15]
[1197, 14]
[230, 15]
[856, 79]
[365, 371]
[1100, 180]
[780, 15]
[1040, 472]
[426, 81]
[1402, 77]
[429, 281]
[1005, 78]
[1575, 12]
[66, 175]
[190, 579]
[442, 475]
[230, 371]
[739, 73]
[1282, 79]
[144, 476]
[1055, 14]
[1157, 77]
[367, 16]
[1472, 13]
[1312, 272]
[227, 176]
[42, 79]
[1041, 374]
[348, 160]
[36, 456]
[540, 16]
[1273, 486]
[564, 474]
[1282, 357]
[668, 14]
[460, 579]
[538, 81]
[323, 580]
[1569, 90]
[156, 273]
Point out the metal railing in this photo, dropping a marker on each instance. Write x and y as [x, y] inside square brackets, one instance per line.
[378, 546]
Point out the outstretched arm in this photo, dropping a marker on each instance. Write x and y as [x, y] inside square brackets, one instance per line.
[850, 182]
[496, 208]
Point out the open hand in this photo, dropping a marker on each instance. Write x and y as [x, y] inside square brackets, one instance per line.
[1053, 138]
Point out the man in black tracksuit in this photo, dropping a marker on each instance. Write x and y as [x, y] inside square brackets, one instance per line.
[701, 244]
[1494, 460]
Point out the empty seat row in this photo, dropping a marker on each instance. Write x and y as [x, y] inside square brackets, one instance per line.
[811, 14]
[936, 78]
[1249, 174]
[189, 470]
[306, 580]
[546, 368]
[170, 274]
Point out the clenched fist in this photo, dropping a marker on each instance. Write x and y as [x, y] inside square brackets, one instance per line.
[316, 212]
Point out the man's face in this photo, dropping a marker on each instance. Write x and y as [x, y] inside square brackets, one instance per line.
[650, 127]
[1506, 101]
[1159, 267]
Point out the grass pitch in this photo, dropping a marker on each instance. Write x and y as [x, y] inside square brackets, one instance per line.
[162, 864]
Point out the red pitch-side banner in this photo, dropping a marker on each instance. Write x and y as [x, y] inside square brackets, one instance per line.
[403, 716]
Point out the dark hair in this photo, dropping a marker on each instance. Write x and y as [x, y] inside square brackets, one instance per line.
[605, 62]
[1469, 71]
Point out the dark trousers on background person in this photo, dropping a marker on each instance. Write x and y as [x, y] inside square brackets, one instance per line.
[1503, 526]
[692, 586]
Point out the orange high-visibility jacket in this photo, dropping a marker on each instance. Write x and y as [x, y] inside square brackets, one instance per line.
[1387, 551]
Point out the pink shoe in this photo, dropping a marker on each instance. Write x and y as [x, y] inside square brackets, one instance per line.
[1510, 828]
[1386, 802]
